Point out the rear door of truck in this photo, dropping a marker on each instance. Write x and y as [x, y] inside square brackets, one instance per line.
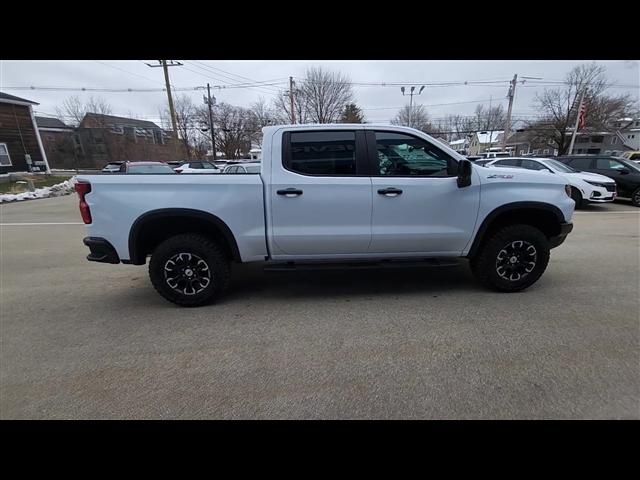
[320, 193]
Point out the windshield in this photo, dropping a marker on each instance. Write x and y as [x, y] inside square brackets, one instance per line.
[150, 169]
[561, 167]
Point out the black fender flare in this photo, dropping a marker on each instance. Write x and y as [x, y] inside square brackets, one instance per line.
[152, 215]
[509, 207]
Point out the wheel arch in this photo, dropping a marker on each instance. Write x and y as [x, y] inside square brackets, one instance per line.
[544, 216]
[155, 226]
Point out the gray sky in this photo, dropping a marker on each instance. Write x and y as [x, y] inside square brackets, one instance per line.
[379, 103]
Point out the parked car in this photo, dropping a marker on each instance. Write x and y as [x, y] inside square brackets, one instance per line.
[176, 163]
[197, 167]
[246, 167]
[145, 167]
[624, 172]
[112, 167]
[634, 156]
[327, 195]
[585, 187]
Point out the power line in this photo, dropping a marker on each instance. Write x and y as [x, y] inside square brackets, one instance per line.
[127, 71]
[224, 78]
[209, 67]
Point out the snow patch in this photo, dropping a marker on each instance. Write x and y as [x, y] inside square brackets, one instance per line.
[64, 188]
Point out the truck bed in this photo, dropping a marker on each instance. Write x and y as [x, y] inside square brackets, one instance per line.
[117, 201]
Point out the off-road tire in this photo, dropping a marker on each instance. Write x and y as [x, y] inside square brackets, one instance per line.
[485, 261]
[195, 249]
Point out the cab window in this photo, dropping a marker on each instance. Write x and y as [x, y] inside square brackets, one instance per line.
[403, 155]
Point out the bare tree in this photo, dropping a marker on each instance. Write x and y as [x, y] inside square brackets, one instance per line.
[320, 98]
[326, 94]
[282, 107]
[559, 106]
[260, 115]
[191, 122]
[415, 117]
[73, 110]
[233, 130]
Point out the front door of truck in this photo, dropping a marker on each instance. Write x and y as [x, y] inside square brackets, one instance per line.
[320, 197]
[417, 205]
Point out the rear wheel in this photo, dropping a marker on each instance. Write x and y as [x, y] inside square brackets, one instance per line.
[189, 270]
[635, 197]
[512, 258]
[577, 197]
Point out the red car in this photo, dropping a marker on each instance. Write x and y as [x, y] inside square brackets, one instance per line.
[145, 167]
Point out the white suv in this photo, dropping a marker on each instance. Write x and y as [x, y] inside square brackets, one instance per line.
[585, 187]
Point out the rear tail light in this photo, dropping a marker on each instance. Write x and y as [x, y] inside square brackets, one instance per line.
[82, 188]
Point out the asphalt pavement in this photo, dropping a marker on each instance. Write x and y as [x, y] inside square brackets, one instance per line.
[80, 340]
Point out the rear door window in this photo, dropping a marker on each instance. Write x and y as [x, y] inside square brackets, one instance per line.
[321, 153]
[581, 163]
[533, 165]
[511, 162]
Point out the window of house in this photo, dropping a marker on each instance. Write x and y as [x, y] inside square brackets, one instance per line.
[607, 152]
[403, 155]
[5, 160]
[597, 139]
[321, 153]
[614, 140]
[535, 152]
[97, 137]
[522, 152]
[545, 151]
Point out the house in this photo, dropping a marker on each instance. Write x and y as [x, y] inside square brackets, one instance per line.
[101, 139]
[461, 146]
[58, 142]
[529, 142]
[21, 147]
[482, 141]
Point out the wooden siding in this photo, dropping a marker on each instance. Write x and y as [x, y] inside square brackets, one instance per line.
[16, 120]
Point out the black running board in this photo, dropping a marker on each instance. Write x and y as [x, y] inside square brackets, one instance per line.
[400, 263]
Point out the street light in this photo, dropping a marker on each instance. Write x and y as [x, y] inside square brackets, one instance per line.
[411, 101]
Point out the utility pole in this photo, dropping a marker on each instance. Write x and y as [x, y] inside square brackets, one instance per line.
[507, 126]
[213, 137]
[410, 113]
[510, 96]
[291, 100]
[575, 126]
[174, 123]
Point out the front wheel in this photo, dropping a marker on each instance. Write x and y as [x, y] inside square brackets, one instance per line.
[577, 197]
[189, 270]
[635, 197]
[512, 258]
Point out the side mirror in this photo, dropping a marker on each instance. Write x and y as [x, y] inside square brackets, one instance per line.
[464, 173]
[624, 171]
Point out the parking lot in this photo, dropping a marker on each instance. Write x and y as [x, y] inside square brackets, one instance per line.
[86, 340]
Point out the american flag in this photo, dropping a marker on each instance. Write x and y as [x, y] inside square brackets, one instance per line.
[582, 112]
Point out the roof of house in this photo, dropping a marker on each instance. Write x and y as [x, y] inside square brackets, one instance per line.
[48, 122]
[458, 142]
[483, 137]
[6, 96]
[111, 120]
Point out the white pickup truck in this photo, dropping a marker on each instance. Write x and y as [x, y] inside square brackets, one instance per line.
[342, 194]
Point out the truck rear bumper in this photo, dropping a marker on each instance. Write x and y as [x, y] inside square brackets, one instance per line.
[565, 229]
[101, 250]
